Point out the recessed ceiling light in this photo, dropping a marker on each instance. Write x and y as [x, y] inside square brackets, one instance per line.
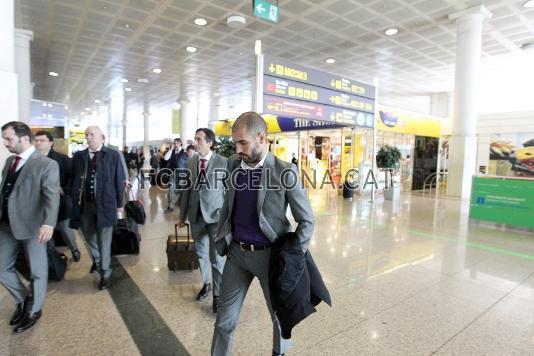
[191, 49]
[49, 105]
[53, 74]
[124, 80]
[201, 22]
[88, 109]
[330, 60]
[528, 4]
[66, 107]
[101, 106]
[236, 21]
[44, 104]
[128, 89]
[391, 31]
[215, 94]
[142, 80]
[97, 101]
[156, 70]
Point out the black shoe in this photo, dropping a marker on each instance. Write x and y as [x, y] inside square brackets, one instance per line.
[104, 283]
[94, 268]
[169, 210]
[76, 256]
[18, 314]
[215, 304]
[276, 354]
[27, 321]
[204, 292]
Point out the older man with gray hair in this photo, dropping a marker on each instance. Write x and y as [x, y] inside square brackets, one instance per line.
[97, 196]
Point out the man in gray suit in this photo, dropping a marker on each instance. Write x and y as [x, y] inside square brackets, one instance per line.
[29, 196]
[201, 202]
[252, 218]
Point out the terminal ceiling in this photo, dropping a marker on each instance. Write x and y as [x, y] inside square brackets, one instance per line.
[93, 44]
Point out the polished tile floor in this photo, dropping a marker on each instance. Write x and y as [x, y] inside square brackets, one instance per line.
[414, 277]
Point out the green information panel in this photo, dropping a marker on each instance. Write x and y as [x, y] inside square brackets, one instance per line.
[503, 200]
[266, 11]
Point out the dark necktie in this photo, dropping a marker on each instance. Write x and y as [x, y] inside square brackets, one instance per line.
[203, 166]
[93, 160]
[15, 165]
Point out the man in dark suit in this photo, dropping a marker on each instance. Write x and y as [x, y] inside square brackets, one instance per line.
[252, 218]
[44, 143]
[29, 195]
[97, 197]
[201, 203]
[176, 159]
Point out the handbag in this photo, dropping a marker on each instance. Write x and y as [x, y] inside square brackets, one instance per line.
[135, 209]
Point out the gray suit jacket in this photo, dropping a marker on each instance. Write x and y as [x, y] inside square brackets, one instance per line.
[209, 196]
[34, 200]
[273, 199]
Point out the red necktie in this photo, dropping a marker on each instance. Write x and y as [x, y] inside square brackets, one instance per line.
[203, 166]
[15, 165]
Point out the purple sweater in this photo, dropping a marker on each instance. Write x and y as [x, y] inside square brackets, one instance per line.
[245, 220]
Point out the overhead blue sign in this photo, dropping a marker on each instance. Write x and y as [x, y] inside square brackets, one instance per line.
[301, 91]
[283, 69]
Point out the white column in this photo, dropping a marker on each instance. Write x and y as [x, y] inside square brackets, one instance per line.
[124, 122]
[146, 134]
[8, 77]
[463, 143]
[214, 111]
[258, 83]
[23, 70]
[109, 128]
[440, 104]
[188, 120]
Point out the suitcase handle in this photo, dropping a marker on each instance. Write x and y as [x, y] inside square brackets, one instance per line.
[188, 233]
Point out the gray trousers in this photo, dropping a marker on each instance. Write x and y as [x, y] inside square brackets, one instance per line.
[172, 193]
[98, 239]
[37, 260]
[67, 233]
[240, 268]
[211, 264]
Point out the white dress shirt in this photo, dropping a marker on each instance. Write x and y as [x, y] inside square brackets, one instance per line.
[207, 158]
[92, 153]
[24, 156]
[259, 165]
[169, 153]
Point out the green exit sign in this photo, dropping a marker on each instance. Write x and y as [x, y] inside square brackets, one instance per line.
[266, 11]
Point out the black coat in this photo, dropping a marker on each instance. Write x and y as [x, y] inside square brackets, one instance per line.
[109, 192]
[175, 158]
[295, 284]
[65, 178]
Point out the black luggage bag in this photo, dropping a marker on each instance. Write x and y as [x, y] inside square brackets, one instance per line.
[58, 239]
[136, 211]
[57, 264]
[181, 251]
[124, 240]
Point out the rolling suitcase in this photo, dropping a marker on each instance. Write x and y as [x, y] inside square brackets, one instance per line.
[124, 240]
[181, 251]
